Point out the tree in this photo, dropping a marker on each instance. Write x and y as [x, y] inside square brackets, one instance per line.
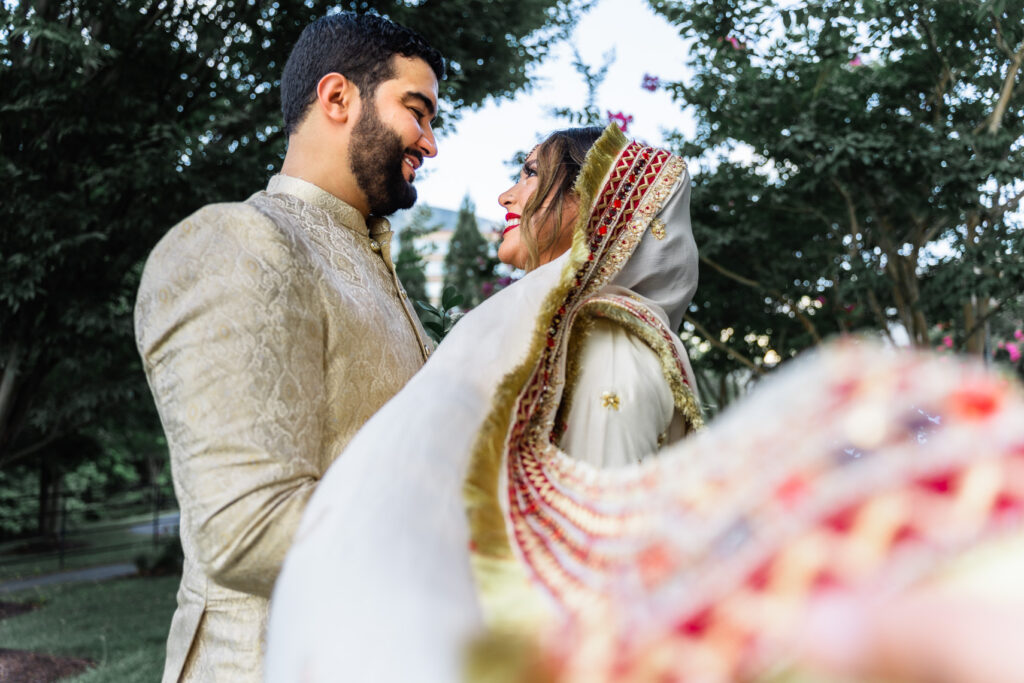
[468, 263]
[883, 143]
[409, 264]
[120, 117]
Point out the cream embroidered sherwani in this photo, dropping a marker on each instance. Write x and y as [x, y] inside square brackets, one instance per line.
[270, 331]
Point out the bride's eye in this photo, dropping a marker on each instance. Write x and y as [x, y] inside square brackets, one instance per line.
[529, 171]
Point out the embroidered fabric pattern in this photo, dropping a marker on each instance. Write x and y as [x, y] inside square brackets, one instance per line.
[556, 530]
[904, 463]
[857, 466]
[636, 183]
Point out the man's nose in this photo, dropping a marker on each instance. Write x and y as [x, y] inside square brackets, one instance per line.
[427, 143]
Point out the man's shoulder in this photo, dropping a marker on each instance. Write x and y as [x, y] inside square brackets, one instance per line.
[222, 217]
[223, 226]
[213, 238]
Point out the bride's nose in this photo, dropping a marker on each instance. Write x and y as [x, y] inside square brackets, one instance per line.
[506, 198]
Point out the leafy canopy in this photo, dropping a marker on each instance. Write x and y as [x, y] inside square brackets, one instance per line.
[859, 168]
[120, 117]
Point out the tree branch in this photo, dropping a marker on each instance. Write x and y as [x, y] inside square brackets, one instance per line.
[808, 325]
[1006, 94]
[1000, 210]
[1000, 39]
[714, 341]
[980, 322]
[933, 231]
[12, 458]
[947, 73]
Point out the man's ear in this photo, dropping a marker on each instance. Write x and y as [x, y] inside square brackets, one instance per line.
[337, 97]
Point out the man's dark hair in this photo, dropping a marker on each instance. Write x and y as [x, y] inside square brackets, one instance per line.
[358, 46]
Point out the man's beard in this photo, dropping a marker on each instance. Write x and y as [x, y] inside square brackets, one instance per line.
[377, 157]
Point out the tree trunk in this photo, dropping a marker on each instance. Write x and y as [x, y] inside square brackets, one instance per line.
[49, 500]
[10, 372]
[975, 310]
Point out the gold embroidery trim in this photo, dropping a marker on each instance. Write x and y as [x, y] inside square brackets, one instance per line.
[580, 330]
[507, 599]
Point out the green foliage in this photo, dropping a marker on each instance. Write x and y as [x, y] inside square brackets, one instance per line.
[588, 114]
[409, 264]
[439, 321]
[167, 561]
[860, 169]
[18, 501]
[120, 117]
[469, 264]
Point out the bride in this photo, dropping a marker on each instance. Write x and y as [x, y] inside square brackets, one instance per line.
[507, 497]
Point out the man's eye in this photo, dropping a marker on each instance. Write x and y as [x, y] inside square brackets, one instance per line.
[417, 112]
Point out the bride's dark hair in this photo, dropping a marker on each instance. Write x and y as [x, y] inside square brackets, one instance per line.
[559, 160]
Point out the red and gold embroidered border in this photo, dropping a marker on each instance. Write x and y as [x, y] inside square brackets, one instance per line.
[634, 181]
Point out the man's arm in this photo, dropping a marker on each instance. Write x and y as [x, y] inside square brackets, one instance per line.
[232, 341]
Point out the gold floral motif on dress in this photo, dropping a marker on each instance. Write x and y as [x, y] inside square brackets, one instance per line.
[658, 228]
[610, 400]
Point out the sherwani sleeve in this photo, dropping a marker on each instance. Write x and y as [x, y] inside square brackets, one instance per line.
[231, 337]
[621, 402]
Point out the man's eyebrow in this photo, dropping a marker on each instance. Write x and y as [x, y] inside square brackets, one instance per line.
[431, 109]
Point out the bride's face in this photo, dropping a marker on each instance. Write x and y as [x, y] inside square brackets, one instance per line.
[513, 249]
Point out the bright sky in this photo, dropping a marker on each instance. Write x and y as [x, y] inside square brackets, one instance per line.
[472, 159]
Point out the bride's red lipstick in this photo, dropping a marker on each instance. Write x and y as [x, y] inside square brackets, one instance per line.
[509, 225]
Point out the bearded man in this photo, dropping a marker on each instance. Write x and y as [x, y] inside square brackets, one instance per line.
[272, 329]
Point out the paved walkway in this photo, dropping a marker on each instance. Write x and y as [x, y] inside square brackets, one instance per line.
[166, 523]
[110, 571]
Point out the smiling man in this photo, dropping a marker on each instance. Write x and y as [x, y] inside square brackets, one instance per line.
[272, 329]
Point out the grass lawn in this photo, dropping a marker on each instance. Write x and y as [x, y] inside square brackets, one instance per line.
[121, 625]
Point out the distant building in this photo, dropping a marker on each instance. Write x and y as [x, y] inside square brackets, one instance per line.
[434, 246]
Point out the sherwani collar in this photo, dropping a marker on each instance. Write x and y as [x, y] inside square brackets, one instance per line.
[342, 213]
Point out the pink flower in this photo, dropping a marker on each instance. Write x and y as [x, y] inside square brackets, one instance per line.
[1014, 352]
[1018, 335]
[650, 82]
[736, 44]
[947, 341]
[856, 61]
[622, 119]
[820, 299]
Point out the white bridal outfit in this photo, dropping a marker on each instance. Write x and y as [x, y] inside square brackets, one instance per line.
[378, 584]
[471, 516]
